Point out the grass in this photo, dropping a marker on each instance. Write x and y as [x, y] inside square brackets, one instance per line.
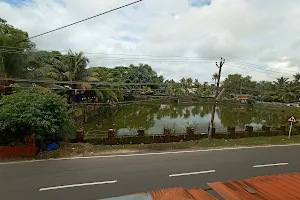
[85, 149]
[67, 150]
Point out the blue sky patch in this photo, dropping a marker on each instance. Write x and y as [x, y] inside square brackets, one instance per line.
[16, 2]
[198, 3]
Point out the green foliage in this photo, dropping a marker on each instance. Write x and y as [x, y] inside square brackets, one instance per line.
[215, 77]
[236, 84]
[251, 101]
[189, 87]
[13, 39]
[281, 90]
[41, 115]
[20, 59]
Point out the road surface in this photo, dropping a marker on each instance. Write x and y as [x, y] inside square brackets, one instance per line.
[103, 177]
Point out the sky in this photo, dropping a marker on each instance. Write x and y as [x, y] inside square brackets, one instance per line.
[182, 38]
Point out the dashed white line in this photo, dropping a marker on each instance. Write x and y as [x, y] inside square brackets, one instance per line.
[192, 173]
[270, 165]
[77, 185]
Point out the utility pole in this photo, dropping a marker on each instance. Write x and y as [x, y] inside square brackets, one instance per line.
[215, 99]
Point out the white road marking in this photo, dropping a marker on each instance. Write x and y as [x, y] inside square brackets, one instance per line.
[192, 173]
[149, 154]
[270, 165]
[76, 185]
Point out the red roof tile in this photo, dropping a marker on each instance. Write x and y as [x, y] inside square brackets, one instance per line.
[285, 186]
[181, 194]
[278, 187]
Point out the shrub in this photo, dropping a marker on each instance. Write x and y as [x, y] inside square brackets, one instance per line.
[40, 115]
[251, 101]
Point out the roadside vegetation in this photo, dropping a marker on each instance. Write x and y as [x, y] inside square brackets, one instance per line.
[21, 59]
[39, 108]
[86, 149]
[36, 114]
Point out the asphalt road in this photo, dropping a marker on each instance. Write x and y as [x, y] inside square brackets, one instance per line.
[103, 177]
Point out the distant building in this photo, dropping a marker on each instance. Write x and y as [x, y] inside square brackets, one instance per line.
[243, 97]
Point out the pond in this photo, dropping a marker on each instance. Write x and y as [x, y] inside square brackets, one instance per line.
[154, 117]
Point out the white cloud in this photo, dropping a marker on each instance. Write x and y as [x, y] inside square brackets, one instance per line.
[248, 31]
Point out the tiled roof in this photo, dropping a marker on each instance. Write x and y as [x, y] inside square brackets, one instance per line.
[279, 187]
[181, 193]
[284, 186]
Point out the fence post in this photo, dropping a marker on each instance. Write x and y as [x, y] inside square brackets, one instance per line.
[249, 130]
[141, 132]
[111, 133]
[80, 135]
[167, 133]
[190, 131]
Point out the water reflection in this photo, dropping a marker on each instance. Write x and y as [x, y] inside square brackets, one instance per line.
[154, 117]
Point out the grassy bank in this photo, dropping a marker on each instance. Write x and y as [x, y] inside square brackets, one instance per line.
[85, 149]
[67, 150]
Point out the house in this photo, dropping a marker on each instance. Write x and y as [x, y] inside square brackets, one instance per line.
[243, 97]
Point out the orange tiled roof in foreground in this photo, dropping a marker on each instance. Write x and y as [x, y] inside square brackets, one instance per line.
[181, 194]
[280, 187]
[284, 186]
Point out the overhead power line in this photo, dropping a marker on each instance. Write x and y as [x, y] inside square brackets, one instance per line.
[98, 55]
[72, 89]
[118, 8]
[110, 57]
[145, 58]
[82, 82]
[152, 58]
[266, 71]
[257, 66]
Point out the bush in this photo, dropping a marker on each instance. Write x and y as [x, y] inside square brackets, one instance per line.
[251, 101]
[40, 115]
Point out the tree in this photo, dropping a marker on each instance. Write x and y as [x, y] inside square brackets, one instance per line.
[289, 94]
[297, 77]
[15, 56]
[183, 84]
[215, 77]
[69, 67]
[2, 20]
[43, 116]
[189, 85]
[143, 73]
[281, 82]
[206, 90]
[236, 84]
[196, 83]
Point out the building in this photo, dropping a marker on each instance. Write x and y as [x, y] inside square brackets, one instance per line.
[281, 187]
[243, 97]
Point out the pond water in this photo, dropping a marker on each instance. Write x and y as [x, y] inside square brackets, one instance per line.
[154, 117]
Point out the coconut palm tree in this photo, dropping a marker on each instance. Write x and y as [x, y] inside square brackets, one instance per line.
[289, 93]
[189, 85]
[73, 67]
[297, 77]
[69, 67]
[183, 84]
[281, 82]
[286, 91]
[215, 77]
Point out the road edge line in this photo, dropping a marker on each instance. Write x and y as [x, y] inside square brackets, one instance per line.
[76, 185]
[148, 154]
[192, 173]
[270, 165]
